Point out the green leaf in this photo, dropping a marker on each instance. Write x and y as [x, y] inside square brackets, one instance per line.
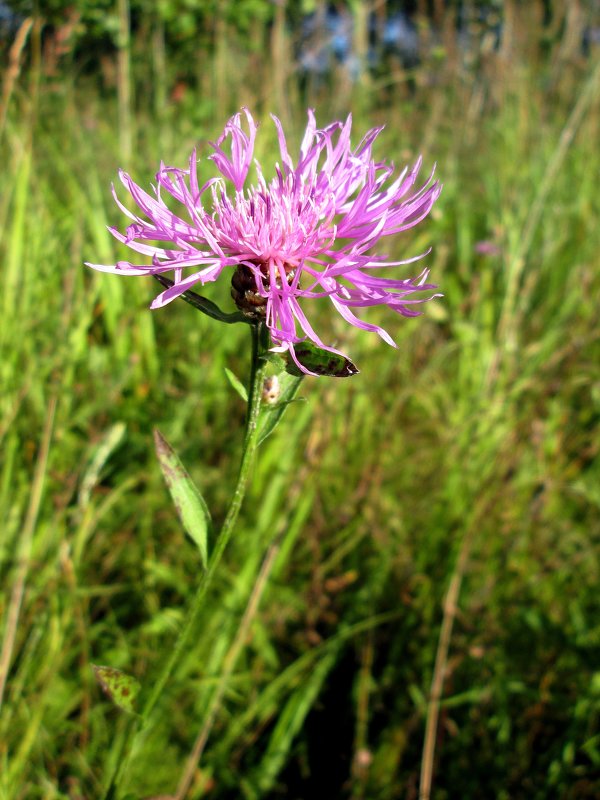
[322, 362]
[270, 415]
[206, 306]
[237, 384]
[101, 454]
[189, 503]
[120, 687]
[291, 718]
[279, 363]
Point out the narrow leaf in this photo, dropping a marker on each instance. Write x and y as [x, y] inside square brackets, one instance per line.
[102, 453]
[237, 384]
[270, 415]
[291, 718]
[121, 688]
[322, 362]
[190, 505]
[206, 306]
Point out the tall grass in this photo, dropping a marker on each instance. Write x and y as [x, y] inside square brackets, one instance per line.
[419, 550]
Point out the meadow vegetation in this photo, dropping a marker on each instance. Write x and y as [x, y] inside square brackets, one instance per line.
[413, 587]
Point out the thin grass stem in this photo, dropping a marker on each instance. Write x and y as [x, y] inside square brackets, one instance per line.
[16, 599]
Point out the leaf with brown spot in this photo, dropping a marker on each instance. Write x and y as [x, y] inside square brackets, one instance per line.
[121, 688]
[321, 362]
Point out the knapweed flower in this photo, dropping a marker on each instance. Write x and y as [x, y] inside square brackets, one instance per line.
[309, 232]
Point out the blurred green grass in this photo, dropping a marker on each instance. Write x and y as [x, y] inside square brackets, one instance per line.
[469, 454]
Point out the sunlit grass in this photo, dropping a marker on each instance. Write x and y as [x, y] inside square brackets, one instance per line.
[467, 457]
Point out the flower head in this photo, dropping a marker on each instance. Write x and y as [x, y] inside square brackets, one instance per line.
[308, 232]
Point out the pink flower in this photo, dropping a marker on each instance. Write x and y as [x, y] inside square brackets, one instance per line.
[307, 233]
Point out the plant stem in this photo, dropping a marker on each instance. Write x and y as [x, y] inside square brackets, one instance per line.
[257, 373]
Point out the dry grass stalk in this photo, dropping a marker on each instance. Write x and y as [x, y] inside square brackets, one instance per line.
[14, 69]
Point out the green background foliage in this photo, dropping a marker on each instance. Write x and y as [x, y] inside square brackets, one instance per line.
[462, 465]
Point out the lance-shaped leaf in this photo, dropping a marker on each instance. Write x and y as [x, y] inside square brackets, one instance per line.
[237, 384]
[190, 505]
[206, 306]
[321, 362]
[120, 687]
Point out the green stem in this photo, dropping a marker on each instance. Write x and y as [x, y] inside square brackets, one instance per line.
[254, 396]
[257, 373]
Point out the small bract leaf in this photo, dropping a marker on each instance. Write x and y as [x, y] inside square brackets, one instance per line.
[276, 360]
[321, 362]
[270, 415]
[237, 384]
[120, 687]
[190, 505]
[206, 306]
